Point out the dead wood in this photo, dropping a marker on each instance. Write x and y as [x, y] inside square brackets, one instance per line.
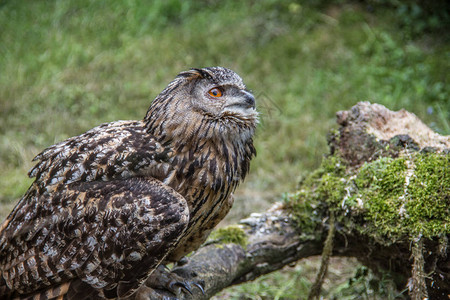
[275, 238]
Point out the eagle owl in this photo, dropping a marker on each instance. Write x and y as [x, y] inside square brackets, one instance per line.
[109, 206]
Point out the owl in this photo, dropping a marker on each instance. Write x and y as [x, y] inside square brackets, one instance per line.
[109, 207]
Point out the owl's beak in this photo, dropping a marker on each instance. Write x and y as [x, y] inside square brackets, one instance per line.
[248, 99]
[242, 100]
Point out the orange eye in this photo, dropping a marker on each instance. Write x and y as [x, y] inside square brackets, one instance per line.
[215, 92]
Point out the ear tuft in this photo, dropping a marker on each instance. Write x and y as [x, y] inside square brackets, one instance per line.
[195, 74]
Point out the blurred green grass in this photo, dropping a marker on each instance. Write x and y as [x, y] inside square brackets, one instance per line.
[67, 66]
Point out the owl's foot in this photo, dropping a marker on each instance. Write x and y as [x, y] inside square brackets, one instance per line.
[163, 284]
[146, 293]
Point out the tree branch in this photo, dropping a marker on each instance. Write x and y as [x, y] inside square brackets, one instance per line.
[272, 244]
[279, 237]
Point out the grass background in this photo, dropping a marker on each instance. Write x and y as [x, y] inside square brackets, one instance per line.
[67, 66]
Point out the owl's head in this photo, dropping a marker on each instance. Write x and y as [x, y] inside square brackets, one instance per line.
[219, 93]
[213, 97]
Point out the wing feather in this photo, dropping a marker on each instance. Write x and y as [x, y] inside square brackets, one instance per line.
[101, 233]
[113, 150]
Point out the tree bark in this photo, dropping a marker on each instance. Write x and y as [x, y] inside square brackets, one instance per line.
[274, 240]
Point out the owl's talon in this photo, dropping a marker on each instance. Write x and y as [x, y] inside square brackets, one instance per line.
[184, 285]
[163, 279]
[200, 287]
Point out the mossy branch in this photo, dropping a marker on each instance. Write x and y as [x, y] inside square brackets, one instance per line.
[386, 187]
[271, 243]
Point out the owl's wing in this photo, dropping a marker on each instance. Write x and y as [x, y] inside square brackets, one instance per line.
[113, 150]
[106, 237]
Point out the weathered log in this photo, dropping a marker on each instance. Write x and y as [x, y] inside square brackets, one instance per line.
[271, 242]
[418, 259]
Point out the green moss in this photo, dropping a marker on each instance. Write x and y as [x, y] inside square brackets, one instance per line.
[382, 197]
[230, 234]
[303, 207]
[322, 189]
[394, 198]
[368, 173]
[405, 197]
[429, 196]
[332, 185]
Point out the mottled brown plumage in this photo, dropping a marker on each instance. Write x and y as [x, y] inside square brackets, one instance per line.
[107, 207]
